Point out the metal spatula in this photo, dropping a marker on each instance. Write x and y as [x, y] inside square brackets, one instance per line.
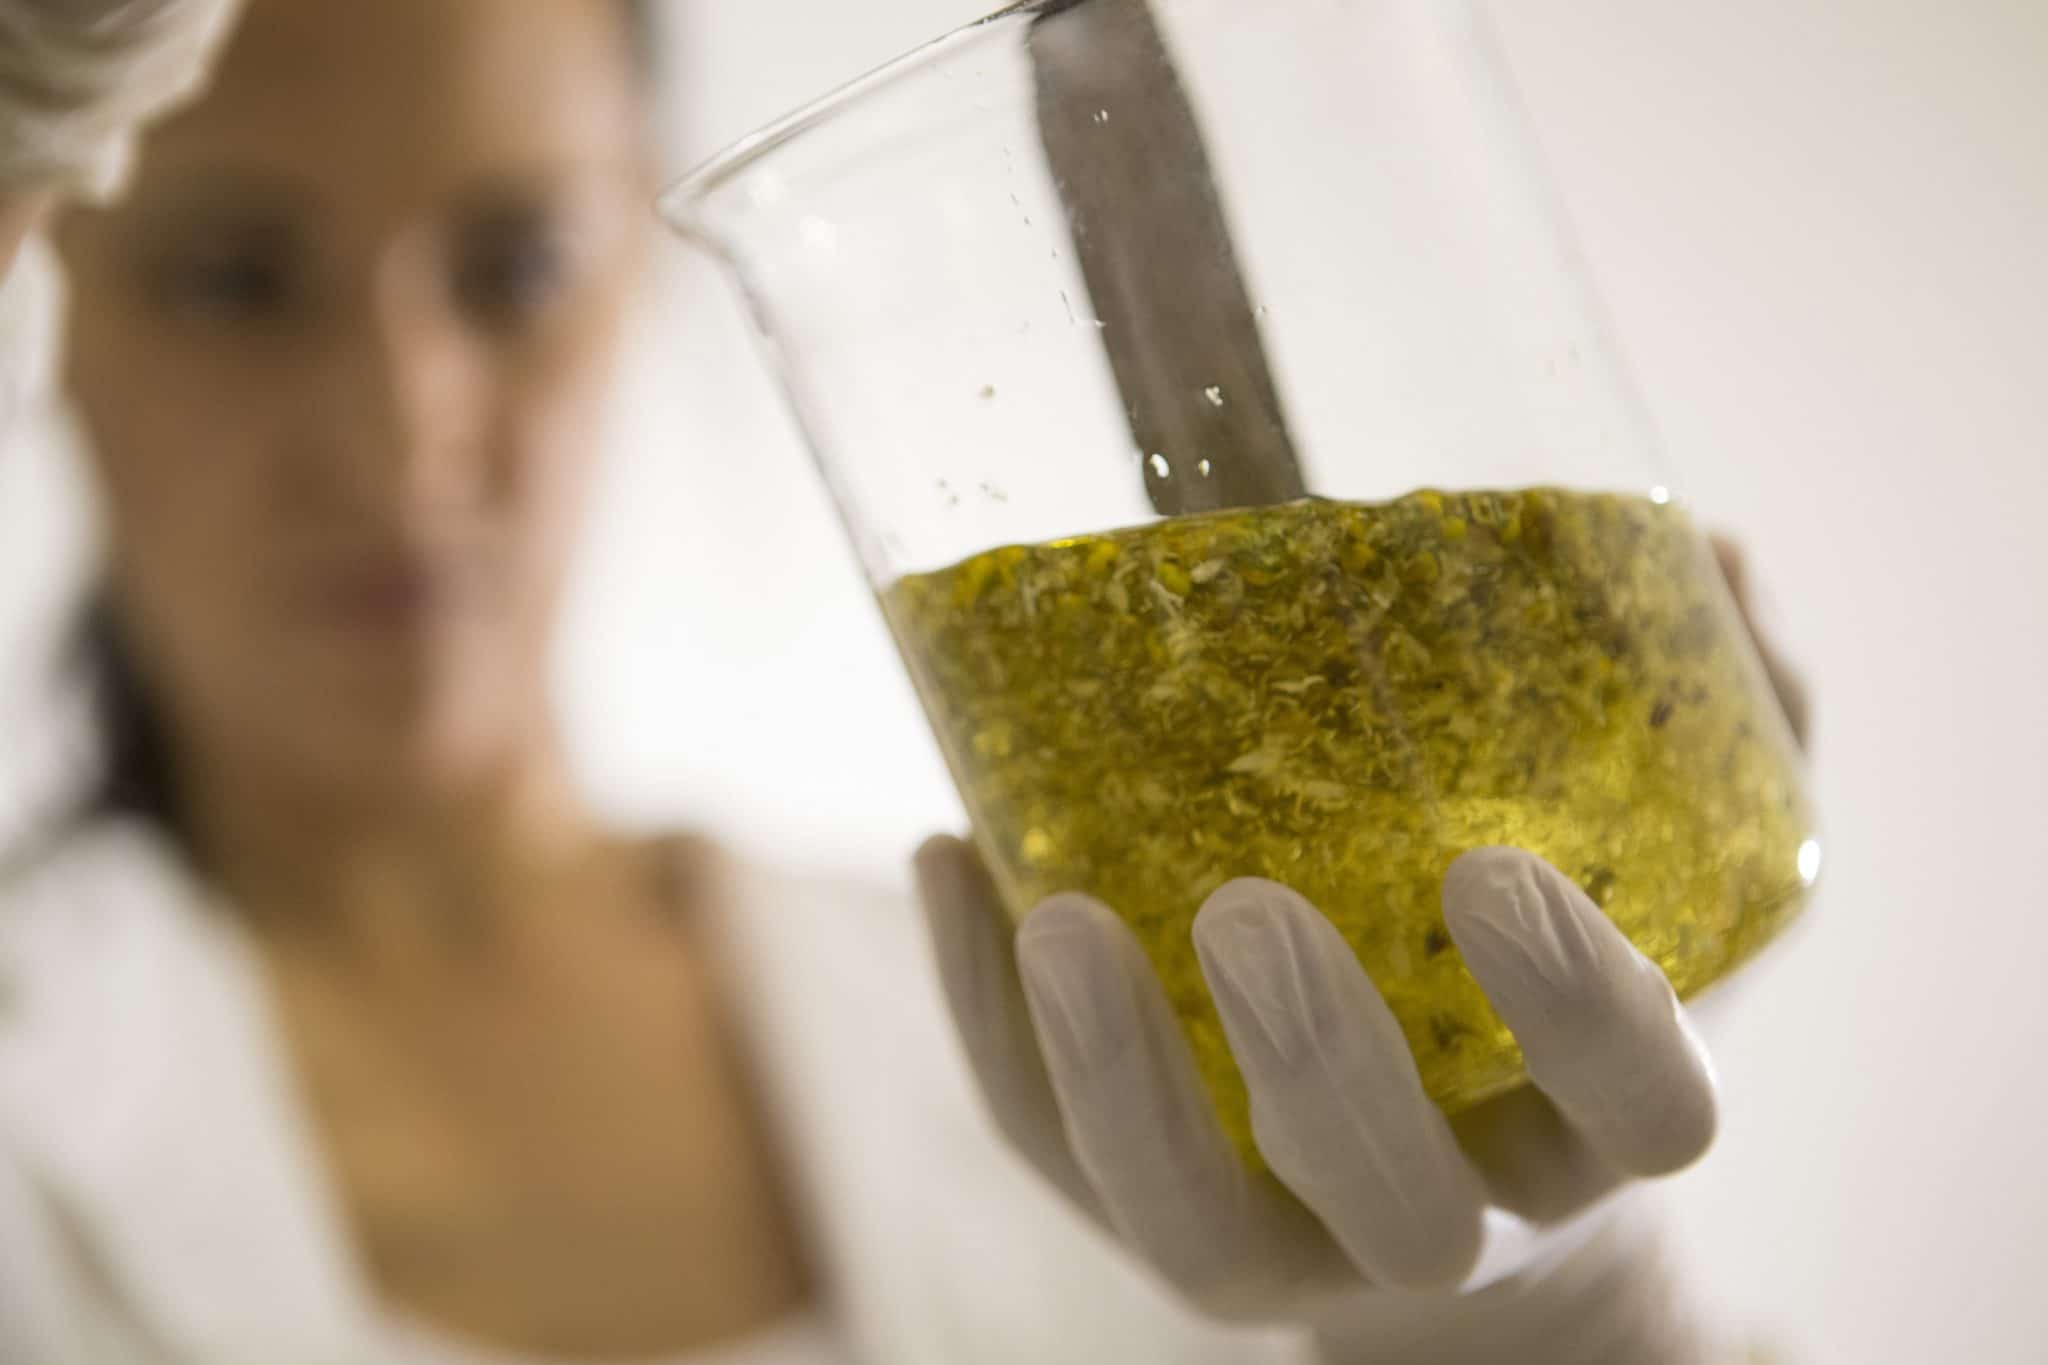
[1154, 246]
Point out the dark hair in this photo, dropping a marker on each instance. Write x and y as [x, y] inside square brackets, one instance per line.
[137, 775]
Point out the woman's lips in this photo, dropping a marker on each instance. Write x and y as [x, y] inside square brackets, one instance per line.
[388, 594]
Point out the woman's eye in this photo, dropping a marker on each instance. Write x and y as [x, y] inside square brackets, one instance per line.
[507, 276]
[231, 288]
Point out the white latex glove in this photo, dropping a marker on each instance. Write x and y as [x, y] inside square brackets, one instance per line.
[1087, 1073]
[79, 77]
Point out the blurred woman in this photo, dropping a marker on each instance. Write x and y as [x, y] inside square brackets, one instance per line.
[339, 353]
[339, 1028]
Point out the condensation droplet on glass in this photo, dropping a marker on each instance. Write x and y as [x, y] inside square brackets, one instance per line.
[994, 494]
[988, 391]
[1160, 466]
[1203, 468]
[1214, 393]
[1067, 302]
[1809, 861]
[1261, 311]
[1102, 115]
[1660, 495]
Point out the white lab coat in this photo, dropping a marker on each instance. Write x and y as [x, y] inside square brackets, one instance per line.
[162, 1199]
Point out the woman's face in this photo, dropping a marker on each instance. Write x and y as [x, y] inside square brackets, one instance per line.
[341, 354]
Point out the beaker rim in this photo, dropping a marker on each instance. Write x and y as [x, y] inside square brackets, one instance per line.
[679, 203]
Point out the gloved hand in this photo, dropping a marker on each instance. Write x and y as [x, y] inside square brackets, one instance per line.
[78, 77]
[1086, 1071]
[1400, 1234]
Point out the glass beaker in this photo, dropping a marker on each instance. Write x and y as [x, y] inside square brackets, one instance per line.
[1218, 407]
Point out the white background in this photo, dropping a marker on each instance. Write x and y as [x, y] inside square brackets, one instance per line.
[1822, 229]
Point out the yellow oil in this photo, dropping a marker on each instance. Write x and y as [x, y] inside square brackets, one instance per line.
[1344, 697]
